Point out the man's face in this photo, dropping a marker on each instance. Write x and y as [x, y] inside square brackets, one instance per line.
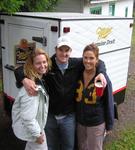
[63, 54]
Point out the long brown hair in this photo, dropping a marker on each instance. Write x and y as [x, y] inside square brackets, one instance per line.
[29, 69]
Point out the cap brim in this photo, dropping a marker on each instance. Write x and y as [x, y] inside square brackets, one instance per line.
[63, 44]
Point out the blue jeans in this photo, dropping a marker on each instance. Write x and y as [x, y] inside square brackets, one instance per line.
[60, 133]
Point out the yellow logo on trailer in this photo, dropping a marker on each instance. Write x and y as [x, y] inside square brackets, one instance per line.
[103, 32]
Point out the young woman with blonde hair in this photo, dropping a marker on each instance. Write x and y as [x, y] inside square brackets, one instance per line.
[29, 113]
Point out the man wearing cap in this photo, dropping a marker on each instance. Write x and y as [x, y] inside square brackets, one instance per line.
[61, 81]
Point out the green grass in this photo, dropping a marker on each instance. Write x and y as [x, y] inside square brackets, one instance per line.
[134, 14]
[126, 141]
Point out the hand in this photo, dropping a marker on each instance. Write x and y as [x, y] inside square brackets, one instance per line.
[40, 139]
[30, 86]
[102, 78]
[108, 132]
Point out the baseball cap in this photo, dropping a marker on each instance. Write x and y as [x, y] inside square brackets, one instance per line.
[63, 40]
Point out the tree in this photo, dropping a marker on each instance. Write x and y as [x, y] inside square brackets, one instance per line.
[11, 6]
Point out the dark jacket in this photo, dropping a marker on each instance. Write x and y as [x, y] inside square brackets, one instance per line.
[61, 87]
[92, 110]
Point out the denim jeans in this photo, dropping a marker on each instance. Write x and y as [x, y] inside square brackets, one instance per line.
[60, 133]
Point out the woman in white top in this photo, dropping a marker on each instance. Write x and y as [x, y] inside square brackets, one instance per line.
[29, 113]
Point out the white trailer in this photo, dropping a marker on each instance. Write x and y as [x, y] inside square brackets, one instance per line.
[111, 34]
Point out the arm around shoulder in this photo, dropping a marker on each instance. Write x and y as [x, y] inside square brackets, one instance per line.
[101, 73]
[19, 75]
[21, 80]
[101, 67]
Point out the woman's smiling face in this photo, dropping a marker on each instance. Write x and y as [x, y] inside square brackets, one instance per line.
[40, 64]
[89, 60]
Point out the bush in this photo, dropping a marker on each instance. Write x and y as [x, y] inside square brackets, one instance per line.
[11, 6]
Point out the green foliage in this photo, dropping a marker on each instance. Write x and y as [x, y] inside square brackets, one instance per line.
[134, 13]
[11, 6]
[40, 5]
[125, 142]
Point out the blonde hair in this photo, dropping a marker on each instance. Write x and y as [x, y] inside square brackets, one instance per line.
[29, 69]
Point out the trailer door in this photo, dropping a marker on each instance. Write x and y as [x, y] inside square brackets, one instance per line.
[14, 32]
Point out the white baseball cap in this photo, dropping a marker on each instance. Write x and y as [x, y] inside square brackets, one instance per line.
[63, 40]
